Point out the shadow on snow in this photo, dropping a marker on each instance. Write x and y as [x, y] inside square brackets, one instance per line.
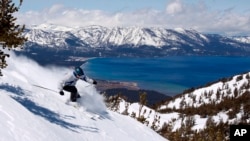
[42, 111]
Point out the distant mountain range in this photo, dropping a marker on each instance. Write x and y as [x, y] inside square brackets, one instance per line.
[130, 42]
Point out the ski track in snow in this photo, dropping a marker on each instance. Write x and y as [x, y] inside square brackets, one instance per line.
[29, 113]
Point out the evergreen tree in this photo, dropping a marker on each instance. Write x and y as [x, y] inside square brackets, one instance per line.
[10, 33]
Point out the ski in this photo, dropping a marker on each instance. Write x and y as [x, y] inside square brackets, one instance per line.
[78, 106]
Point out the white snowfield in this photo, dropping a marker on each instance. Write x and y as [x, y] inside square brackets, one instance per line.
[29, 113]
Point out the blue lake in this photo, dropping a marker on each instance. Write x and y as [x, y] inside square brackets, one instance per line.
[170, 75]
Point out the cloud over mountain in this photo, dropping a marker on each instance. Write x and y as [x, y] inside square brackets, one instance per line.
[177, 13]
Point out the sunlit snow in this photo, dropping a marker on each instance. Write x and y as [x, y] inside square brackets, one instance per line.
[30, 113]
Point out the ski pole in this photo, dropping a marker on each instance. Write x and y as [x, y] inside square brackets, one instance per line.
[45, 88]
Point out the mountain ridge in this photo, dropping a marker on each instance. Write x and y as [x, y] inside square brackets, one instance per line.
[133, 41]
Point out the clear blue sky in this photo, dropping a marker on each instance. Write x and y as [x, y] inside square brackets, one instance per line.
[106, 5]
[116, 5]
[223, 16]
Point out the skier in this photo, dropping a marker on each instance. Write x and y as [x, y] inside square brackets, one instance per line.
[69, 82]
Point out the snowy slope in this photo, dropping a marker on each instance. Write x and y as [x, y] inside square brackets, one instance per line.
[216, 93]
[29, 113]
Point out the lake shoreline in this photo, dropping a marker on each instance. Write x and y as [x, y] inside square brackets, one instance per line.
[129, 90]
[106, 84]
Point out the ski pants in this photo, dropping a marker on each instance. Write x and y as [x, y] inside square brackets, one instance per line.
[73, 92]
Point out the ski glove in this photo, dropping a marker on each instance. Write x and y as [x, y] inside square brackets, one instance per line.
[94, 82]
[61, 93]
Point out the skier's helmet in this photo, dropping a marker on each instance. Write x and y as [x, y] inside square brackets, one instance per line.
[78, 71]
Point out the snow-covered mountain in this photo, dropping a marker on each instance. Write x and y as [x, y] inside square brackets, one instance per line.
[134, 41]
[244, 39]
[204, 113]
[31, 113]
[214, 93]
[98, 36]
